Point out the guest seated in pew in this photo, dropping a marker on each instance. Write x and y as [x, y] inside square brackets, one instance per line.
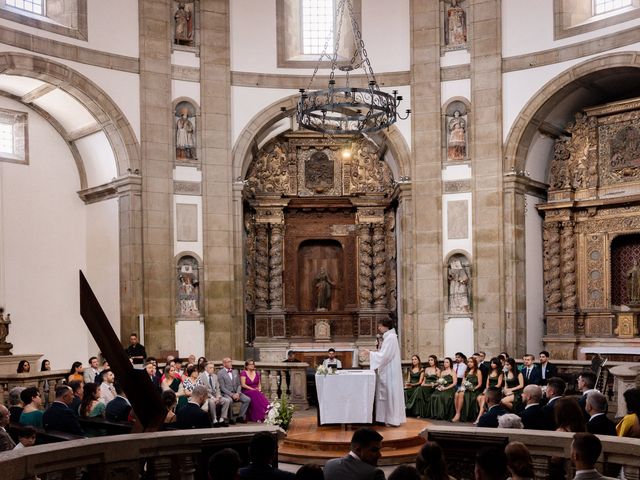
[252, 387]
[519, 462]
[107, 391]
[6, 442]
[76, 372]
[59, 416]
[90, 374]
[510, 420]
[191, 415]
[119, 408]
[262, 452]
[568, 415]
[26, 437]
[31, 414]
[224, 465]
[598, 423]
[23, 367]
[361, 462]
[491, 464]
[230, 386]
[15, 403]
[585, 450]
[514, 383]
[629, 426]
[555, 389]
[91, 405]
[495, 409]
[170, 401]
[532, 415]
[78, 393]
[403, 472]
[494, 379]
[431, 464]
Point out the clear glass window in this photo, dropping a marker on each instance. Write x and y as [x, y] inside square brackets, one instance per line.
[317, 26]
[605, 6]
[33, 6]
[6, 138]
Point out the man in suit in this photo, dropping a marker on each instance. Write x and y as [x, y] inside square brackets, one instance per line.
[210, 381]
[6, 442]
[229, 380]
[493, 397]
[586, 385]
[77, 388]
[598, 423]
[532, 416]
[59, 416]
[530, 371]
[491, 464]
[547, 370]
[119, 408]
[191, 415]
[150, 368]
[262, 452]
[91, 373]
[555, 389]
[361, 462]
[483, 365]
[224, 465]
[585, 450]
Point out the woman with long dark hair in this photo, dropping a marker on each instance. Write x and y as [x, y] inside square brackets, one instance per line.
[494, 379]
[514, 383]
[569, 416]
[91, 406]
[421, 401]
[23, 367]
[76, 372]
[442, 399]
[430, 462]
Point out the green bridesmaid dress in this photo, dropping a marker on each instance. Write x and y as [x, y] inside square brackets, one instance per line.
[442, 407]
[493, 381]
[421, 401]
[409, 393]
[517, 395]
[470, 406]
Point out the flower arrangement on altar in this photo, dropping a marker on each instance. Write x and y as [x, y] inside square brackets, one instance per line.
[280, 413]
[322, 370]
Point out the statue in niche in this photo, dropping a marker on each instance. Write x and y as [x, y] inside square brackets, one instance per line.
[188, 288]
[457, 143]
[633, 284]
[185, 132]
[183, 34]
[323, 285]
[455, 24]
[5, 321]
[459, 283]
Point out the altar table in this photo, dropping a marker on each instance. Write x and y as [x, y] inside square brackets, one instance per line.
[346, 397]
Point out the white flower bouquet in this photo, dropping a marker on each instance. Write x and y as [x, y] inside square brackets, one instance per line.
[441, 382]
[280, 413]
[467, 386]
[322, 370]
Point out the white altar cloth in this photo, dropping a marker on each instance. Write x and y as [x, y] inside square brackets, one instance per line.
[346, 397]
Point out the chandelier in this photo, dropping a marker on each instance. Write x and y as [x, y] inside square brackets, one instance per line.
[348, 110]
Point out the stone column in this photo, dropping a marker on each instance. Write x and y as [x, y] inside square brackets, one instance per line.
[379, 268]
[275, 266]
[223, 315]
[156, 130]
[365, 271]
[426, 324]
[486, 153]
[551, 266]
[568, 266]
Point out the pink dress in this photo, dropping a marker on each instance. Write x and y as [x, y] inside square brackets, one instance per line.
[259, 403]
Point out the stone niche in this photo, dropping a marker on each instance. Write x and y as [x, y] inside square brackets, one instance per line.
[319, 217]
[591, 235]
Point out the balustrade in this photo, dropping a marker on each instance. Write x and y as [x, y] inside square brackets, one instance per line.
[45, 381]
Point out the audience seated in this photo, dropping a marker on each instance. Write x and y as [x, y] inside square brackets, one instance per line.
[510, 420]
[26, 437]
[170, 401]
[15, 404]
[491, 464]
[91, 406]
[530, 371]
[555, 389]
[568, 416]
[361, 462]
[78, 393]
[262, 451]
[31, 414]
[191, 415]
[585, 450]
[231, 388]
[76, 372]
[311, 471]
[6, 442]
[495, 378]
[119, 408]
[151, 369]
[23, 367]
[224, 465]
[547, 370]
[107, 391]
[58, 416]
[586, 385]
[596, 406]
[494, 408]
[431, 464]
[90, 374]
[251, 385]
[215, 398]
[629, 425]
[519, 462]
[404, 472]
[514, 383]
[532, 416]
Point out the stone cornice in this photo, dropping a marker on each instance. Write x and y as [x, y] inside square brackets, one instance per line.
[116, 187]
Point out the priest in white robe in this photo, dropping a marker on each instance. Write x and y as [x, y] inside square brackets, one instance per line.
[390, 385]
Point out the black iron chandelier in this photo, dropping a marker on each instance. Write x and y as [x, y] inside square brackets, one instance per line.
[348, 110]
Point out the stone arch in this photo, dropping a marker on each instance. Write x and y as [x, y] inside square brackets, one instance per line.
[108, 115]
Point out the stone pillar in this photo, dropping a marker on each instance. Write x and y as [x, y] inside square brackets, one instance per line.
[486, 153]
[426, 324]
[568, 266]
[551, 266]
[379, 268]
[223, 315]
[275, 266]
[365, 271]
[156, 130]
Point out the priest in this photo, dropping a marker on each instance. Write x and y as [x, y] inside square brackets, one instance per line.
[390, 385]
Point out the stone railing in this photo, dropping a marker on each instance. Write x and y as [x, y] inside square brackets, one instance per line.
[460, 445]
[161, 455]
[45, 381]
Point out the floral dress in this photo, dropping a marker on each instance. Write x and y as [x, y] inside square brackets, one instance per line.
[442, 407]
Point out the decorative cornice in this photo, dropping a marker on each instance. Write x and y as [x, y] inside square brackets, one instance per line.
[116, 187]
[187, 188]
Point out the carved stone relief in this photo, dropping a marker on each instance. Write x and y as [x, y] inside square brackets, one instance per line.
[551, 266]
[269, 172]
[369, 173]
[262, 267]
[595, 295]
[249, 262]
[365, 265]
[620, 143]
[391, 255]
[275, 266]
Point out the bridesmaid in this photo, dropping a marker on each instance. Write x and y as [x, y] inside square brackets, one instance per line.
[421, 406]
[514, 382]
[494, 379]
[442, 399]
[414, 380]
[252, 387]
[470, 402]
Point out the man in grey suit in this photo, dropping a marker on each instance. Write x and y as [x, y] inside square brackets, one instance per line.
[361, 462]
[585, 450]
[229, 380]
[6, 442]
[209, 380]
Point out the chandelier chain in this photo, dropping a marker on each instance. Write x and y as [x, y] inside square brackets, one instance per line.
[360, 47]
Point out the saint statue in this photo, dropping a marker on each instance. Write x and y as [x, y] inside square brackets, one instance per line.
[455, 24]
[183, 34]
[633, 284]
[185, 144]
[322, 284]
[458, 287]
[457, 144]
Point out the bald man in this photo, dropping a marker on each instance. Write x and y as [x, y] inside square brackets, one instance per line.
[6, 443]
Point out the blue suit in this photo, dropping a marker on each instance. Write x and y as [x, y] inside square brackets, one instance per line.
[490, 419]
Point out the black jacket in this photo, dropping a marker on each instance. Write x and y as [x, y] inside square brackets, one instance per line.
[550, 371]
[533, 418]
[264, 472]
[601, 425]
[60, 418]
[490, 419]
[535, 376]
[192, 416]
[117, 410]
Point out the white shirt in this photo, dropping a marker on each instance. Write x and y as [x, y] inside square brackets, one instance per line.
[595, 415]
[459, 368]
[531, 405]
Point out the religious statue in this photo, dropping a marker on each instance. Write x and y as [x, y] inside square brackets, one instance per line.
[455, 24]
[188, 287]
[633, 284]
[185, 144]
[458, 287]
[457, 144]
[5, 321]
[322, 284]
[183, 34]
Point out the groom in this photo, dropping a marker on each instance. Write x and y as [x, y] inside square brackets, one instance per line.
[390, 386]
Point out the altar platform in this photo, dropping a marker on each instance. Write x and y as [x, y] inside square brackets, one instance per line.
[306, 442]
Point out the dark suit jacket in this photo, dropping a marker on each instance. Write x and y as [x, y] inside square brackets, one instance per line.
[14, 413]
[549, 417]
[192, 416]
[59, 417]
[490, 419]
[535, 376]
[6, 442]
[351, 468]
[484, 367]
[117, 410]
[533, 418]
[75, 405]
[601, 425]
[264, 472]
[550, 371]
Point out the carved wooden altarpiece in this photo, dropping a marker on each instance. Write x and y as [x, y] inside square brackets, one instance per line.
[593, 204]
[319, 241]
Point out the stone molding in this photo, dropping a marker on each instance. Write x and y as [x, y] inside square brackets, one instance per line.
[80, 32]
[457, 186]
[187, 188]
[129, 182]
